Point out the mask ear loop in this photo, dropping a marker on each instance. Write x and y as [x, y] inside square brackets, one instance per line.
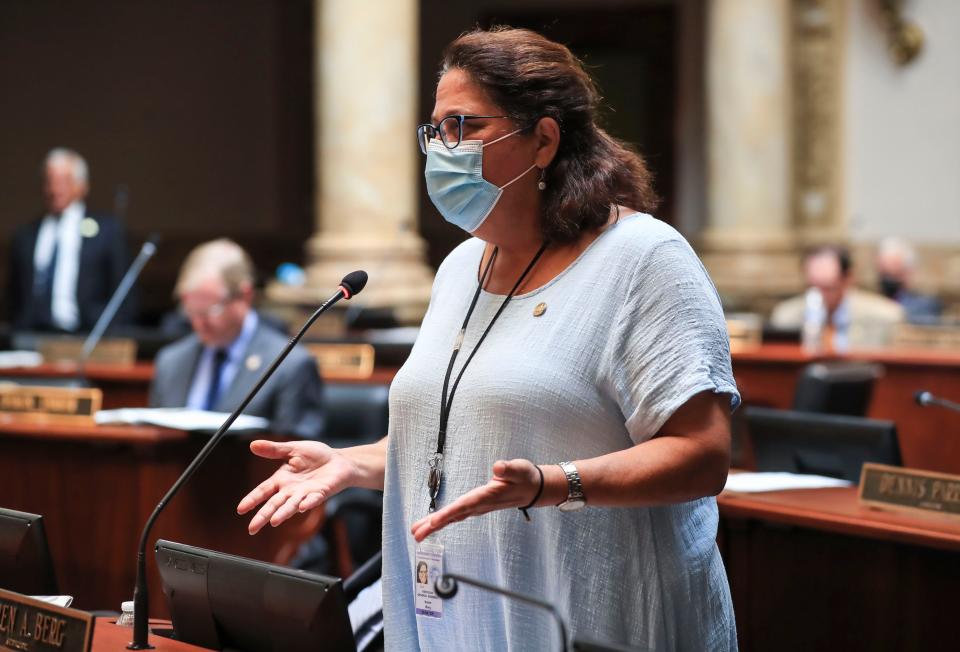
[497, 140]
[522, 174]
[518, 177]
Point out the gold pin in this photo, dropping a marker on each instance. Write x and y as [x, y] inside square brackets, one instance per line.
[254, 362]
[540, 309]
[89, 227]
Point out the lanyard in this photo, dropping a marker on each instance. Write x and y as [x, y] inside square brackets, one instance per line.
[435, 463]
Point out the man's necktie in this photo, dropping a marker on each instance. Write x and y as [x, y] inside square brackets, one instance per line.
[43, 291]
[213, 392]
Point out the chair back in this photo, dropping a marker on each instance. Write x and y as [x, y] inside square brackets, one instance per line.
[836, 388]
[355, 413]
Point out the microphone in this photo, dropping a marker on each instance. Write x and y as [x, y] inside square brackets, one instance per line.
[113, 306]
[447, 587]
[350, 286]
[926, 399]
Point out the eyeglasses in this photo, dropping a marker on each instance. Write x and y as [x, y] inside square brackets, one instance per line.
[210, 312]
[450, 130]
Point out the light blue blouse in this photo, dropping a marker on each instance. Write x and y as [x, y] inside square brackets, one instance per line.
[632, 330]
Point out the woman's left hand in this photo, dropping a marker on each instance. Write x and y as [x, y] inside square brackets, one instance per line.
[514, 484]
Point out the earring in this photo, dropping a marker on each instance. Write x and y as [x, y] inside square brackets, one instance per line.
[542, 185]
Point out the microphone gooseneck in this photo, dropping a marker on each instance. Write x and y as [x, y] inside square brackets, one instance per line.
[113, 306]
[446, 587]
[355, 281]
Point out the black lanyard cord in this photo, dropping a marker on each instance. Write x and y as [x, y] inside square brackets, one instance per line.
[446, 401]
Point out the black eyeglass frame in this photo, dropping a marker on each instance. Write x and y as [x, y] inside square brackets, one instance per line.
[427, 132]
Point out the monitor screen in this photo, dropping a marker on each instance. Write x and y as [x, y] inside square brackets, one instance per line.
[821, 444]
[223, 602]
[25, 563]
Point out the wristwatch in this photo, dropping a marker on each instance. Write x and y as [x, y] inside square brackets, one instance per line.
[575, 498]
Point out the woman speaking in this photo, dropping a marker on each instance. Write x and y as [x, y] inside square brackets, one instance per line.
[574, 359]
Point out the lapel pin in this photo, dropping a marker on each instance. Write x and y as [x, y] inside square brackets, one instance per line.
[540, 309]
[89, 227]
[253, 362]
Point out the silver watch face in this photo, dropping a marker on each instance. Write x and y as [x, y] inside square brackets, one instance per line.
[572, 505]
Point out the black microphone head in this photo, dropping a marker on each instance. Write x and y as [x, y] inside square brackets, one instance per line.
[353, 282]
[446, 587]
[923, 398]
[154, 238]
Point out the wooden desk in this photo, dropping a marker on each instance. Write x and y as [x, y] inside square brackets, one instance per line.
[96, 486]
[108, 637]
[129, 386]
[929, 437]
[814, 570]
[122, 385]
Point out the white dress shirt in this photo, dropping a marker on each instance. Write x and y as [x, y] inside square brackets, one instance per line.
[65, 234]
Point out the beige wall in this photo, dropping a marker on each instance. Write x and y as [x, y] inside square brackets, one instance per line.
[902, 128]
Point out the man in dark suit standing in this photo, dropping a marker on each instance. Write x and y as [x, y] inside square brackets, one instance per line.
[65, 264]
[231, 346]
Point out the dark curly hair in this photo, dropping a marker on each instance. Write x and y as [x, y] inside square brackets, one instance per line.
[531, 77]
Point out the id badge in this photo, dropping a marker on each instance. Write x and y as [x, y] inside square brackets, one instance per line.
[427, 570]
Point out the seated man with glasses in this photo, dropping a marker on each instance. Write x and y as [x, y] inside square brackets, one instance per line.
[231, 347]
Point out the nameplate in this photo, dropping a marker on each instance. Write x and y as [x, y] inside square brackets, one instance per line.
[65, 405]
[353, 361]
[893, 487]
[28, 625]
[113, 351]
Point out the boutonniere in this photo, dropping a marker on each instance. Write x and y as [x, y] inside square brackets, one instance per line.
[89, 227]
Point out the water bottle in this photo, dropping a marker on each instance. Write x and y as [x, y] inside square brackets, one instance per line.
[126, 617]
[814, 321]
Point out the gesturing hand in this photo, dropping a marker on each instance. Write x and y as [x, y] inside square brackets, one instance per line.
[513, 484]
[312, 473]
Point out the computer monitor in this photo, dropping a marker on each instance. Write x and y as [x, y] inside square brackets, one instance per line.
[223, 602]
[25, 563]
[822, 444]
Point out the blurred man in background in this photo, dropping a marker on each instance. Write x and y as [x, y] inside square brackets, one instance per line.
[230, 348]
[896, 262]
[65, 264]
[843, 312]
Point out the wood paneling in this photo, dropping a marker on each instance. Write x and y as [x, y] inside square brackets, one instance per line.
[96, 486]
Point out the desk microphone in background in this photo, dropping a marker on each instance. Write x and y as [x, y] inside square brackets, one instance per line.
[351, 285]
[447, 587]
[926, 399]
[113, 306]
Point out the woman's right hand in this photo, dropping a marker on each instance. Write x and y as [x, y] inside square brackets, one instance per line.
[312, 473]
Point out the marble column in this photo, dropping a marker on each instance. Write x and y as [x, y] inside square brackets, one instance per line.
[773, 170]
[368, 165]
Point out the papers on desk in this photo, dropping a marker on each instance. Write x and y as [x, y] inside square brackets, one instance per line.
[10, 359]
[57, 600]
[179, 419]
[776, 481]
[366, 614]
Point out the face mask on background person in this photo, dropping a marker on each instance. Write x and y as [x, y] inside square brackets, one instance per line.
[456, 185]
[890, 287]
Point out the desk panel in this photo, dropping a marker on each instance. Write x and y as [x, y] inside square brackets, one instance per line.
[814, 570]
[96, 487]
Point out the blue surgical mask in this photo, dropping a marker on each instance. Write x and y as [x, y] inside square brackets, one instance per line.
[456, 185]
